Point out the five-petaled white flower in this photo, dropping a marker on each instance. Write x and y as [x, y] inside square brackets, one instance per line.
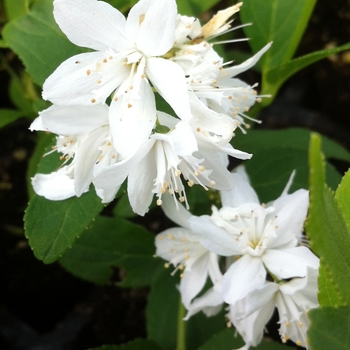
[127, 58]
[265, 237]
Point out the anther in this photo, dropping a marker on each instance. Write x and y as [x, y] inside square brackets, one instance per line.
[129, 105]
[159, 202]
[93, 100]
[105, 60]
[88, 72]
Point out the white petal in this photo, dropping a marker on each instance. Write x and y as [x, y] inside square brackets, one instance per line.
[214, 238]
[169, 80]
[241, 192]
[288, 263]
[252, 327]
[140, 184]
[107, 195]
[193, 281]
[114, 175]
[151, 25]
[75, 81]
[235, 70]
[85, 159]
[132, 121]
[38, 125]
[55, 186]
[291, 212]
[242, 277]
[74, 120]
[176, 213]
[91, 23]
[210, 303]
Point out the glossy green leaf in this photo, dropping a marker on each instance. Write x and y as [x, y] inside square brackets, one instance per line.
[330, 329]
[38, 41]
[326, 227]
[52, 226]
[282, 22]
[162, 310]
[111, 243]
[8, 116]
[277, 153]
[139, 344]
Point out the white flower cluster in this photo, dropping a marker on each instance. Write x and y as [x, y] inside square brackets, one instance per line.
[253, 257]
[104, 107]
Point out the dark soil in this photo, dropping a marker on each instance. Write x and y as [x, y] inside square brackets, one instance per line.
[42, 307]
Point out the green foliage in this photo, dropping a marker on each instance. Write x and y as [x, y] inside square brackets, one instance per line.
[38, 41]
[113, 243]
[52, 226]
[327, 294]
[283, 23]
[162, 310]
[330, 329]
[8, 116]
[16, 8]
[277, 153]
[326, 226]
[224, 340]
[139, 344]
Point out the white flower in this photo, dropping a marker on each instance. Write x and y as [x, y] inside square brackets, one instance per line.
[128, 56]
[293, 300]
[181, 248]
[85, 143]
[165, 159]
[265, 237]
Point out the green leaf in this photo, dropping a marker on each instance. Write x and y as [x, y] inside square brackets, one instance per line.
[162, 310]
[227, 340]
[16, 8]
[138, 344]
[8, 116]
[194, 7]
[276, 154]
[342, 196]
[113, 242]
[326, 227]
[276, 76]
[52, 226]
[38, 41]
[330, 329]
[327, 294]
[280, 21]
[224, 340]
[47, 164]
[3, 44]
[200, 328]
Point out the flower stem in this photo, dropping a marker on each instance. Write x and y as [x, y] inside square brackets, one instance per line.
[181, 329]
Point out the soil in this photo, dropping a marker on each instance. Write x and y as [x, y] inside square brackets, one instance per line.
[44, 307]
